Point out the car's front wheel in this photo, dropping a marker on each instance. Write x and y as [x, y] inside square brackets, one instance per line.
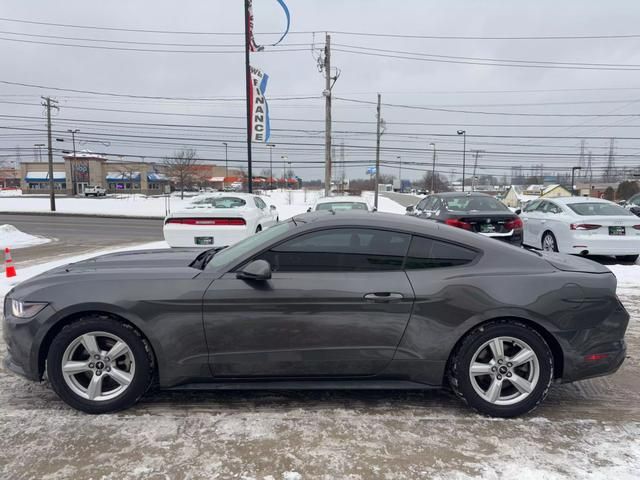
[98, 365]
[502, 369]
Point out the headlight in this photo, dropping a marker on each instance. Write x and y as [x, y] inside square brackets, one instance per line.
[26, 309]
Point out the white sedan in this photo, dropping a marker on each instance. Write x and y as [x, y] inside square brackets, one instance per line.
[218, 220]
[341, 203]
[582, 225]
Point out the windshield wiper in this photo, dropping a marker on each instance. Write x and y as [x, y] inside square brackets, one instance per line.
[204, 258]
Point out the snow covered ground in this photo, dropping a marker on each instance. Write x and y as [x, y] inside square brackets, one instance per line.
[289, 203]
[13, 238]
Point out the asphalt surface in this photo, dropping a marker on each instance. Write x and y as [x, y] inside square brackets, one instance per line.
[73, 235]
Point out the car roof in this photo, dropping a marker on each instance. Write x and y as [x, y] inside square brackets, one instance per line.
[571, 200]
[343, 198]
[461, 194]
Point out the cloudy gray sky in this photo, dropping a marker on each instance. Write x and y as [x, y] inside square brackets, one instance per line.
[210, 64]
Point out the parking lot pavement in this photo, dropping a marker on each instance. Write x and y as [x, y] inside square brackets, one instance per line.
[590, 429]
[73, 235]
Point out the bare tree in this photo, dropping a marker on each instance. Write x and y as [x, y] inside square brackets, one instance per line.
[182, 167]
[129, 171]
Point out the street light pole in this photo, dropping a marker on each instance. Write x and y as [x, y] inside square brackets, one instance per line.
[74, 183]
[226, 164]
[464, 153]
[271, 145]
[284, 170]
[573, 176]
[400, 172]
[433, 170]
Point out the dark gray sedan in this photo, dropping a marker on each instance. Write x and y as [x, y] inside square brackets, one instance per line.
[325, 300]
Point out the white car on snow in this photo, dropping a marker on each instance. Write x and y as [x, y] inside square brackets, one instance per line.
[341, 203]
[582, 225]
[218, 220]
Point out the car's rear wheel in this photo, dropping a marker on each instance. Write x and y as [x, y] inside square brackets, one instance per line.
[628, 258]
[502, 369]
[98, 365]
[549, 243]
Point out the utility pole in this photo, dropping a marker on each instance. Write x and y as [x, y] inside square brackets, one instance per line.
[475, 167]
[248, 87]
[433, 169]
[378, 134]
[464, 153]
[226, 163]
[327, 115]
[49, 104]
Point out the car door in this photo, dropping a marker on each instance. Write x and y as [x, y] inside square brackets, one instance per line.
[264, 214]
[530, 218]
[337, 304]
[419, 207]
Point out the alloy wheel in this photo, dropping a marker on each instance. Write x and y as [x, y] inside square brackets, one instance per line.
[504, 371]
[549, 243]
[98, 366]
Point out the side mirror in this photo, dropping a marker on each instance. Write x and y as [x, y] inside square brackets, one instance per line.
[272, 207]
[256, 270]
[518, 211]
[410, 209]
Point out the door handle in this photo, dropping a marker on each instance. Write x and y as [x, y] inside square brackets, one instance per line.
[383, 297]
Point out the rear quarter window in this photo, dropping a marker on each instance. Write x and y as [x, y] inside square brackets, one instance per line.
[425, 253]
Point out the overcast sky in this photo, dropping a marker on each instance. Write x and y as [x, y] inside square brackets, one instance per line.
[298, 129]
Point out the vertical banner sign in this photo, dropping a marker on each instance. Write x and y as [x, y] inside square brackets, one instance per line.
[253, 46]
[260, 126]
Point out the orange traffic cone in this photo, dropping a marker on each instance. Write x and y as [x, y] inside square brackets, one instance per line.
[10, 270]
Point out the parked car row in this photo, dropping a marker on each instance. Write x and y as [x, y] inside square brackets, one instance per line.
[574, 225]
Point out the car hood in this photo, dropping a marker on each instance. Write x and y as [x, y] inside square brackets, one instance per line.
[137, 260]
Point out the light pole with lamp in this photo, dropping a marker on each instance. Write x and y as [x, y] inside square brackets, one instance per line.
[464, 153]
[400, 172]
[433, 169]
[573, 176]
[226, 163]
[284, 170]
[271, 146]
[73, 163]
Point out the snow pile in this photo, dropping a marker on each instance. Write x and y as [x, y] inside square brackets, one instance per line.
[10, 192]
[13, 238]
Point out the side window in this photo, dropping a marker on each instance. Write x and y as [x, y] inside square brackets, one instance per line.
[422, 203]
[340, 250]
[259, 203]
[427, 253]
[552, 208]
[431, 204]
[542, 207]
[531, 206]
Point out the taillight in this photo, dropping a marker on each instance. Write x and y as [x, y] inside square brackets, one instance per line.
[594, 357]
[584, 226]
[636, 227]
[515, 224]
[458, 223]
[207, 221]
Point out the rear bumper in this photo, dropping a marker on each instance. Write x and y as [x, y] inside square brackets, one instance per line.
[515, 238]
[185, 235]
[606, 340]
[604, 244]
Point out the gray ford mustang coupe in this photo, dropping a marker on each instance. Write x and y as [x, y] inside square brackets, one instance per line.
[325, 300]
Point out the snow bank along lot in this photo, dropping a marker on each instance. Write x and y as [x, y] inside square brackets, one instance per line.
[13, 238]
[589, 430]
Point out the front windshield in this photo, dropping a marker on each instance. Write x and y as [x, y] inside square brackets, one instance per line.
[220, 202]
[469, 203]
[235, 252]
[635, 200]
[600, 209]
[335, 206]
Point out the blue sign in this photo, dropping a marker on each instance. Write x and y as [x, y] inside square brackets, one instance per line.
[371, 171]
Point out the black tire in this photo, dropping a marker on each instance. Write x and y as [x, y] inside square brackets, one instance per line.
[459, 368]
[627, 258]
[552, 238]
[139, 348]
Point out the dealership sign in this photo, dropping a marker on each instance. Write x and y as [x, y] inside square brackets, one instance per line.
[260, 128]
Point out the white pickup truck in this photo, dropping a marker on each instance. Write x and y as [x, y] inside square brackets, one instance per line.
[95, 190]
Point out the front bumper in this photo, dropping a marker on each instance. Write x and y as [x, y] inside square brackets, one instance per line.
[20, 337]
